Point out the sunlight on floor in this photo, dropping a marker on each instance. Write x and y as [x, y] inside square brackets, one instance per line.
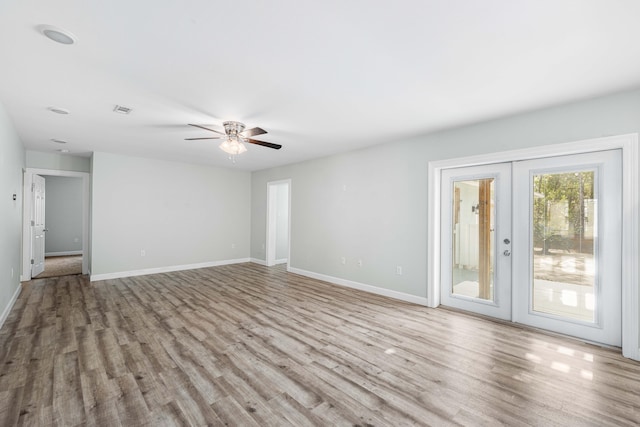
[565, 366]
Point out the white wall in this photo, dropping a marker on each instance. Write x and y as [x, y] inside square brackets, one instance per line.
[372, 204]
[179, 214]
[63, 214]
[12, 160]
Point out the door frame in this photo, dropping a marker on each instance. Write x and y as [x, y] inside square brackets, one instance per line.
[27, 213]
[630, 214]
[270, 255]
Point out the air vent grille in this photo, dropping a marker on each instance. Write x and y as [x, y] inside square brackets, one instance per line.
[121, 110]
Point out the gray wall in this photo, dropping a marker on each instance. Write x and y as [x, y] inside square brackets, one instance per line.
[63, 214]
[12, 160]
[56, 161]
[179, 213]
[372, 204]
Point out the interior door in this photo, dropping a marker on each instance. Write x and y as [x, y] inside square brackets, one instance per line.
[476, 239]
[567, 245]
[38, 226]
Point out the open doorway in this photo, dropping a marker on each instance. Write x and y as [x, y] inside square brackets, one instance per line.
[278, 222]
[63, 225]
[55, 223]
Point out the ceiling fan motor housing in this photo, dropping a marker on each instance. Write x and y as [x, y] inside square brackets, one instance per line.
[233, 128]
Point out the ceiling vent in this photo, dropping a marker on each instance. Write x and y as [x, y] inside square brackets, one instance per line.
[58, 110]
[121, 110]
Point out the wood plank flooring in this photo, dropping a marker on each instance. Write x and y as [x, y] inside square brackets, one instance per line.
[254, 346]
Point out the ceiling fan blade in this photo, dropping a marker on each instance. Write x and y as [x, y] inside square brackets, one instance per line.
[205, 128]
[195, 139]
[253, 132]
[264, 144]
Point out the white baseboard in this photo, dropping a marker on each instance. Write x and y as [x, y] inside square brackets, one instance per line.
[263, 262]
[9, 306]
[66, 253]
[143, 272]
[361, 286]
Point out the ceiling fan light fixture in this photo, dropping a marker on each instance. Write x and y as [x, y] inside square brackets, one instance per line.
[233, 146]
[235, 137]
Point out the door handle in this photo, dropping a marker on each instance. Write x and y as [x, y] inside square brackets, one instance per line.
[506, 252]
[506, 241]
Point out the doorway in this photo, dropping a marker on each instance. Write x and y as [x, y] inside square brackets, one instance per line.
[80, 247]
[562, 253]
[278, 222]
[63, 227]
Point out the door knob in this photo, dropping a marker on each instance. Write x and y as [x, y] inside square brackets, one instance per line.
[506, 252]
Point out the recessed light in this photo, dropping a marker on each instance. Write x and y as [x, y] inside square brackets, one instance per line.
[57, 34]
[58, 141]
[121, 110]
[63, 150]
[58, 110]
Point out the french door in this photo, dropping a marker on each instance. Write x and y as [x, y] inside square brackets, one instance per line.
[537, 242]
[476, 241]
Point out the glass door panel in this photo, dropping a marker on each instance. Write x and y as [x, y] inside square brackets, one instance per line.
[472, 238]
[564, 215]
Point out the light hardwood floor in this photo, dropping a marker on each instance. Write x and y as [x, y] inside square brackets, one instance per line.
[252, 346]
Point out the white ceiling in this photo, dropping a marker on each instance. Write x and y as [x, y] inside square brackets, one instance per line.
[321, 77]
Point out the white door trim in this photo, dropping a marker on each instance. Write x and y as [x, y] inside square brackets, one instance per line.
[270, 255]
[630, 216]
[26, 216]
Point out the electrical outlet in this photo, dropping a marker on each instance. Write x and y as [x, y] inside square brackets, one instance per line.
[399, 270]
[359, 263]
[233, 246]
[343, 260]
[76, 240]
[143, 252]
[12, 273]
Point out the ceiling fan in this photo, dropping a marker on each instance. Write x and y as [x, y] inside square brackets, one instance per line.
[235, 136]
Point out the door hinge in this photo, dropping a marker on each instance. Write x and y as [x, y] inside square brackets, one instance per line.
[33, 186]
[33, 223]
[32, 261]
